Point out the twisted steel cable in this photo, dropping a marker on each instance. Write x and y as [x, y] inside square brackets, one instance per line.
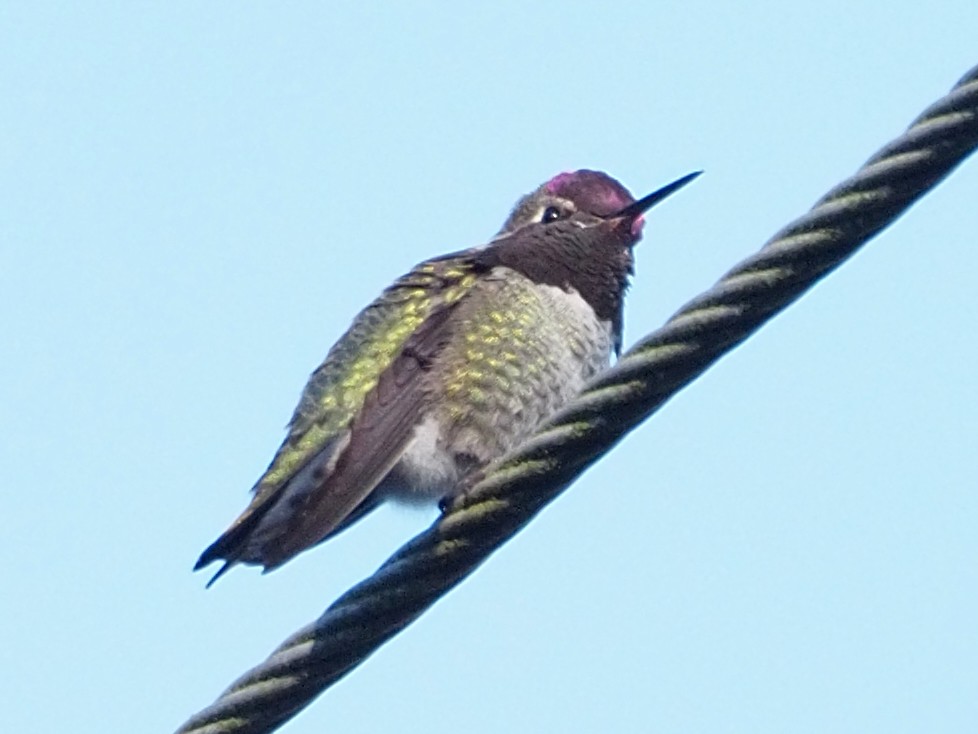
[511, 492]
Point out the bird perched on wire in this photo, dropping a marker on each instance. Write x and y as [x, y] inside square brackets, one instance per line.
[452, 366]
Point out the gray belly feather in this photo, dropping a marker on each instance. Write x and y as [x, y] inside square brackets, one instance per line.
[519, 352]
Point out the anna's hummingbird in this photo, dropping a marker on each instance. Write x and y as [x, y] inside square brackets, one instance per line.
[452, 366]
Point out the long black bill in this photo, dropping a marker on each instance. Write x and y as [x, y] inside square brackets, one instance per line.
[647, 202]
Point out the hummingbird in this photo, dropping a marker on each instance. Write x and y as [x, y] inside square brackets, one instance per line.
[451, 367]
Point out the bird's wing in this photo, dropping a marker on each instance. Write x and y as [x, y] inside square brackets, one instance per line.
[377, 437]
[355, 418]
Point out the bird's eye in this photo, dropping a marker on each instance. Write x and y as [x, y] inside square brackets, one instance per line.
[551, 214]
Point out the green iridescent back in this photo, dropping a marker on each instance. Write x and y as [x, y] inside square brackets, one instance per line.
[337, 389]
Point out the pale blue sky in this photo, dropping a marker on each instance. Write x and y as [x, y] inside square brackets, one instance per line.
[197, 198]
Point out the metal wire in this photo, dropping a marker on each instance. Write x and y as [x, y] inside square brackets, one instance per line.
[514, 490]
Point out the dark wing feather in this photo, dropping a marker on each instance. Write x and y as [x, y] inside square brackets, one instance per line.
[345, 435]
[378, 436]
